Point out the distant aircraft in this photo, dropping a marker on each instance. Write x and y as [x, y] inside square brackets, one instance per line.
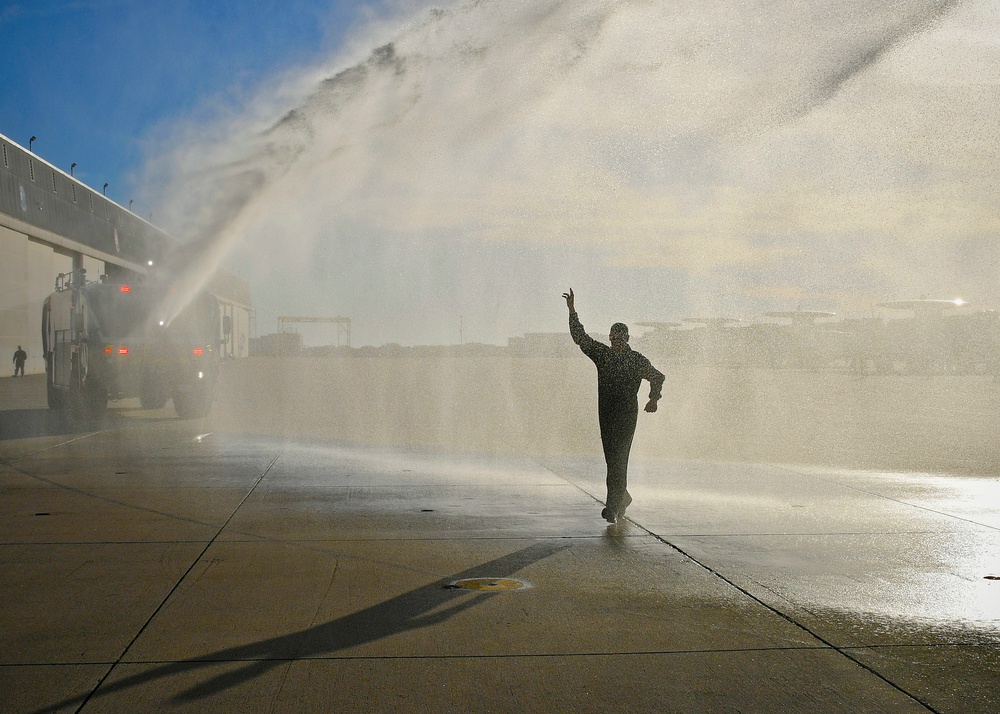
[659, 325]
[712, 322]
[923, 308]
[800, 317]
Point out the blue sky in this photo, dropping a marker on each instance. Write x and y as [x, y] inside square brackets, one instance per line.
[93, 79]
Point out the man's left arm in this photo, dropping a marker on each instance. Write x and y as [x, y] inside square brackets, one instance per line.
[656, 379]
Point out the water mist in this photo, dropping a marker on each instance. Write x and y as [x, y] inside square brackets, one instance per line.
[693, 157]
[664, 160]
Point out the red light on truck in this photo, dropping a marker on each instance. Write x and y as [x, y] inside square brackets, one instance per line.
[198, 350]
[125, 289]
[107, 349]
[123, 350]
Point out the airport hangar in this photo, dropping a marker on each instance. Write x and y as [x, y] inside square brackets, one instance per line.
[51, 223]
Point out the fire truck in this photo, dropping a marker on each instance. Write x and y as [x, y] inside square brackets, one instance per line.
[111, 340]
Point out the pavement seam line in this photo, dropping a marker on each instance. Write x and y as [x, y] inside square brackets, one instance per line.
[790, 619]
[312, 623]
[817, 477]
[8, 462]
[107, 499]
[183, 577]
[634, 653]
[747, 593]
[96, 496]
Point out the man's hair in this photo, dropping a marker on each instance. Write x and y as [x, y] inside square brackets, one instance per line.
[620, 329]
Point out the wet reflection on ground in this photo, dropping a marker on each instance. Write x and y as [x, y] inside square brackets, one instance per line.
[890, 566]
[875, 556]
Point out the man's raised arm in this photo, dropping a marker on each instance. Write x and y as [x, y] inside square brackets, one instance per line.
[576, 330]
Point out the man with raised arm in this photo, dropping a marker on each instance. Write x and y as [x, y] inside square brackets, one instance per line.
[620, 371]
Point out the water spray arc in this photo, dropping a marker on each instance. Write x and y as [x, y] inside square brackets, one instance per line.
[616, 135]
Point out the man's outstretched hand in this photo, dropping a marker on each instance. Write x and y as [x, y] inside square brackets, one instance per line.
[651, 406]
[569, 300]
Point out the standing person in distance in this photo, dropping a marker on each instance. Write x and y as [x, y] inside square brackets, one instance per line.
[19, 358]
[620, 371]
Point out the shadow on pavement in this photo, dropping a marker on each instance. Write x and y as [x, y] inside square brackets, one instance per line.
[408, 611]
[28, 423]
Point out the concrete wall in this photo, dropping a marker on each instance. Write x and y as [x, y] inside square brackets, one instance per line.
[28, 273]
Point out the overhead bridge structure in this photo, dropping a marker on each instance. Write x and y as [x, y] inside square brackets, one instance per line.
[343, 326]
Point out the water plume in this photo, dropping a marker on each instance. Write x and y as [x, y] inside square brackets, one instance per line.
[480, 159]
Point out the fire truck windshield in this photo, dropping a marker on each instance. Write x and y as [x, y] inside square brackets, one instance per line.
[135, 314]
[119, 314]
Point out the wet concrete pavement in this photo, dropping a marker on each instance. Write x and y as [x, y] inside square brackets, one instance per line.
[154, 564]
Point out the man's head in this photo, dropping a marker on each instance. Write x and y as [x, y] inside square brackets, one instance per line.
[619, 336]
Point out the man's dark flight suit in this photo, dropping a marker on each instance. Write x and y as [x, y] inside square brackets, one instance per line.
[619, 376]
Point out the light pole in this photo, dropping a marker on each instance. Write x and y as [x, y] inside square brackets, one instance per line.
[105, 189]
[71, 167]
[31, 141]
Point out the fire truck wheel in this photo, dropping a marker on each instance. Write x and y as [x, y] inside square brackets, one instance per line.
[92, 402]
[192, 406]
[55, 398]
[153, 399]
